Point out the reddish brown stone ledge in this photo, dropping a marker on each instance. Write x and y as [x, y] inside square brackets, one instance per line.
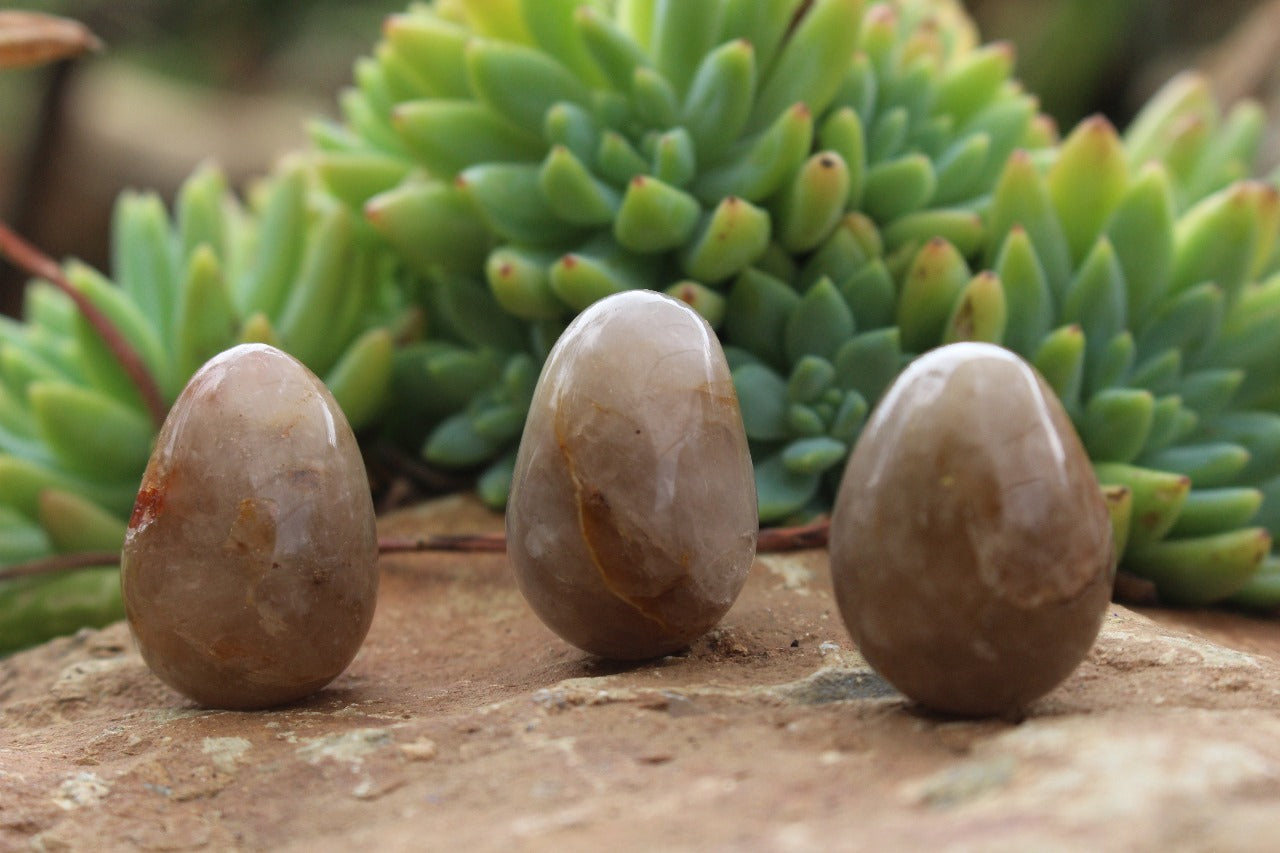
[464, 724]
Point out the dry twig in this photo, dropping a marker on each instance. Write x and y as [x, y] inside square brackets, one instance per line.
[772, 539]
[27, 257]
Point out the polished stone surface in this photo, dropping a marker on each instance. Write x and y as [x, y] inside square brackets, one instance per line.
[632, 520]
[970, 546]
[250, 564]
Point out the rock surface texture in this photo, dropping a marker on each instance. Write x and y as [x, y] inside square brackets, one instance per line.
[464, 724]
[250, 566]
[971, 548]
[632, 518]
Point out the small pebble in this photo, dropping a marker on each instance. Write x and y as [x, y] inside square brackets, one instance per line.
[422, 749]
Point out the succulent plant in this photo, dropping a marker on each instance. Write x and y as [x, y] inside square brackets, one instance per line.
[75, 432]
[526, 159]
[836, 187]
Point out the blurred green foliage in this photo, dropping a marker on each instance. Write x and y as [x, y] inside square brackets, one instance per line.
[1108, 56]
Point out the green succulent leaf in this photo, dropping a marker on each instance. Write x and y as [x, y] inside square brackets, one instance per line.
[763, 399]
[820, 323]
[869, 362]
[1116, 424]
[933, 284]
[782, 492]
[757, 315]
[1209, 465]
[808, 456]
[1202, 569]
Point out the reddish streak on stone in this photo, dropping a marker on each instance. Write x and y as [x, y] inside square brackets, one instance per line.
[149, 504]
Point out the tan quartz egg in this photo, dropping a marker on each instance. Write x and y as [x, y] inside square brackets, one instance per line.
[632, 519]
[250, 564]
[971, 548]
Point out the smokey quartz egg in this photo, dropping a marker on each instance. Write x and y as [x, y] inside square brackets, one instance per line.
[631, 524]
[971, 549]
[249, 570]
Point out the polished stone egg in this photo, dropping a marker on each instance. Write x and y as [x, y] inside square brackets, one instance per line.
[249, 569]
[971, 549]
[632, 520]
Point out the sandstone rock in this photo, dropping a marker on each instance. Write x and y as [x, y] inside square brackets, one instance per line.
[632, 518]
[1160, 740]
[249, 568]
[970, 546]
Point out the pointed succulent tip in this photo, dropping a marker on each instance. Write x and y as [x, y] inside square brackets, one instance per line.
[1097, 124]
[569, 261]
[1153, 170]
[1268, 195]
[1046, 125]
[1188, 80]
[881, 14]
[1253, 191]
[1021, 158]
[1116, 493]
[1189, 126]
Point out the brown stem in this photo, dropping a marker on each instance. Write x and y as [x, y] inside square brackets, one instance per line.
[35, 262]
[1131, 589]
[812, 535]
[59, 563]
[493, 543]
[772, 539]
[798, 15]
